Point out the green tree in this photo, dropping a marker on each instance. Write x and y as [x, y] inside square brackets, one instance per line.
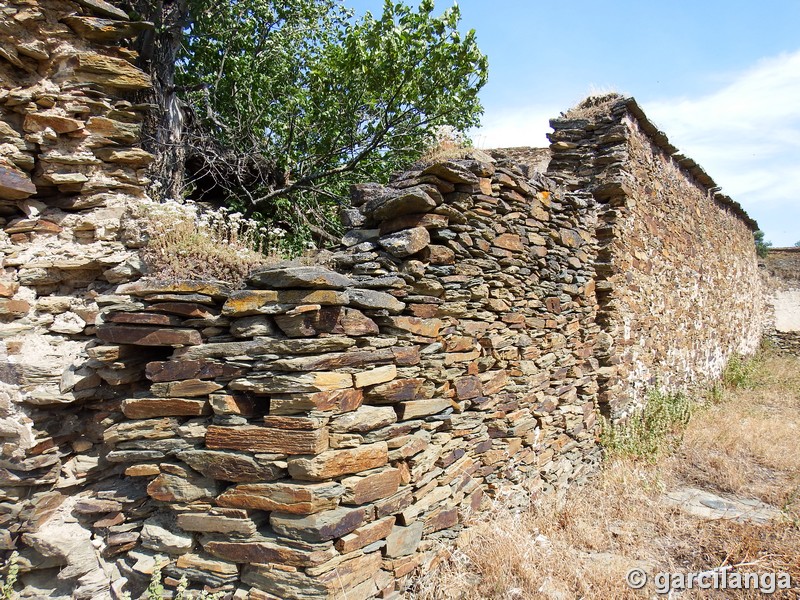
[289, 101]
[762, 247]
[797, 244]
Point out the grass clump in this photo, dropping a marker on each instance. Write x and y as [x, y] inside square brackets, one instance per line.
[184, 242]
[594, 106]
[741, 372]
[447, 144]
[654, 428]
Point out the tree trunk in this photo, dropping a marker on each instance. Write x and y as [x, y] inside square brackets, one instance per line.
[162, 130]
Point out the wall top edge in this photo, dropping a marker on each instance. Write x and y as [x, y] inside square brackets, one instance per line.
[659, 139]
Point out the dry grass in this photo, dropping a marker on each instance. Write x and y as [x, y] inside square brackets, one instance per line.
[448, 144]
[583, 545]
[592, 107]
[444, 151]
[187, 243]
[749, 444]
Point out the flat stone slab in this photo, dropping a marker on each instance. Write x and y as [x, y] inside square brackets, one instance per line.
[141, 335]
[400, 203]
[14, 185]
[104, 9]
[706, 505]
[300, 277]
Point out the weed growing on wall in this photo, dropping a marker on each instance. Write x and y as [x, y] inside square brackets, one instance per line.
[741, 372]
[184, 242]
[12, 570]
[448, 144]
[658, 426]
[654, 429]
[155, 589]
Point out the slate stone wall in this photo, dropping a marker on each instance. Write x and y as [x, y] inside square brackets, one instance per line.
[343, 425]
[70, 167]
[328, 430]
[678, 282]
[781, 281]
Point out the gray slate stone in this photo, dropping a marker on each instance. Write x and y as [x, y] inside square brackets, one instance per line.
[407, 242]
[374, 300]
[318, 527]
[404, 202]
[159, 534]
[404, 540]
[254, 326]
[312, 277]
[705, 505]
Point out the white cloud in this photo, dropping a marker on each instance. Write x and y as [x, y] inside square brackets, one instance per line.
[521, 126]
[747, 137]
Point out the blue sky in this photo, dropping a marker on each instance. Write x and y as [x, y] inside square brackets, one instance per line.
[720, 78]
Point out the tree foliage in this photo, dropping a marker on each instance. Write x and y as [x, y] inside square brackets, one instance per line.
[762, 247]
[291, 100]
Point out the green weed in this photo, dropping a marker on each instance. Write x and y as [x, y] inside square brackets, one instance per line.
[741, 372]
[155, 591]
[12, 570]
[654, 429]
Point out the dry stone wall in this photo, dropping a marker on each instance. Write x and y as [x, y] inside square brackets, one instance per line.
[677, 276]
[69, 169]
[781, 281]
[327, 431]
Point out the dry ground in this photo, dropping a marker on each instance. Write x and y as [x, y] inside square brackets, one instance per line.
[745, 443]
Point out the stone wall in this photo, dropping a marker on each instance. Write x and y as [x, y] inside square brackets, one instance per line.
[69, 168]
[781, 280]
[678, 280]
[328, 430]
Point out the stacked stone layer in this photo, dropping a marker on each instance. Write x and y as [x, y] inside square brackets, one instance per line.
[781, 282]
[70, 167]
[322, 427]
[677, 275]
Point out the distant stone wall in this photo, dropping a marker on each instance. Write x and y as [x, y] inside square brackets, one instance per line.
[678, 281]
[781, 278]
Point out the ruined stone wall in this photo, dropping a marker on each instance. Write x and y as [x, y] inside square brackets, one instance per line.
[781, 281]
[69, 168]
[324, 432]
[678, 282]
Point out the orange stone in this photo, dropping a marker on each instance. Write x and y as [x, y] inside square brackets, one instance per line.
[255, 438]
[145, 408]
[333, 463]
